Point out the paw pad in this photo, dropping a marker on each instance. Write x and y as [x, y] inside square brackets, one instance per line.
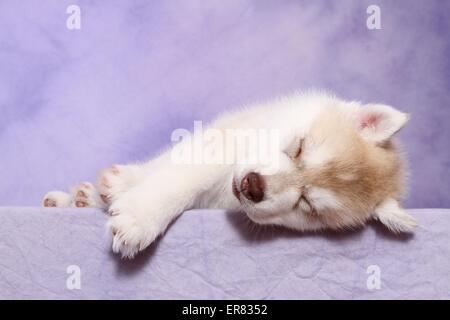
[56, 199]
[49, 202]
[83, 194]
[111, 183]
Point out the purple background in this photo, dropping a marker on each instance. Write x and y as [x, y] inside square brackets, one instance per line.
[72, 102]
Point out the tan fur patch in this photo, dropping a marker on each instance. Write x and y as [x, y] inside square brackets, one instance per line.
[358, 173]
[377, 169]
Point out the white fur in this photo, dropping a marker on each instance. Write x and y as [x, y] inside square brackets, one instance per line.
[318, 157]
[394, 217]
[323, 199]
[57, 199]
[145, 198]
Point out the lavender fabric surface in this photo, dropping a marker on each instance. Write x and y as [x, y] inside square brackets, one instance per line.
[216, 255]
[74, 101]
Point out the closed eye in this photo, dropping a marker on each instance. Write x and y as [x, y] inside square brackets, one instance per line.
[299, 150]
[295, 149]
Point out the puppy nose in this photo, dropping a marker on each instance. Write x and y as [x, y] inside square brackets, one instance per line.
[252, 187]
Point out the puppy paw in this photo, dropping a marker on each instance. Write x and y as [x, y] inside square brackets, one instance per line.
[86, 195]
[394, 217]
[131, 232]
[57, 199]
[114, 181]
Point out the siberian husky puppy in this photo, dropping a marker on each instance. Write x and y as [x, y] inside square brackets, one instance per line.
[309, 161]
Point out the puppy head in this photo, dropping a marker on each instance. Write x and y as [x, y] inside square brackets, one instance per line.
[339, 172]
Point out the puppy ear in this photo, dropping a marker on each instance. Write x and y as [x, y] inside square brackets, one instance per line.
[379, 122]
[394, 217]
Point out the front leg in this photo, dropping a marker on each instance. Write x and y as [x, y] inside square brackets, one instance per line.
[139, 216]
[143, 212]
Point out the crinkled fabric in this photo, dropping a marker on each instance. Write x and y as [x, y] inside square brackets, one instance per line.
[212, 254]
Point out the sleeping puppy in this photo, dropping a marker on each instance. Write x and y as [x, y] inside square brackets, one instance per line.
[307, 161]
